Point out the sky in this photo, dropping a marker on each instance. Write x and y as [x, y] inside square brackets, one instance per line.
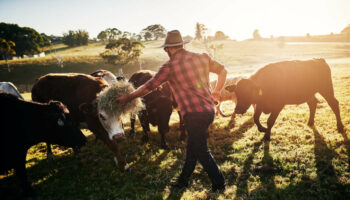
[236, 18]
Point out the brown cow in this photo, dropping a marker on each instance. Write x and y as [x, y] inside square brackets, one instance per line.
[79, 92]
[282, 83]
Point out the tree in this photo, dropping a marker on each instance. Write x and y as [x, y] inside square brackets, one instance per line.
[200, 31]
[6, 50]
[113, 33]
[27, 40]
[157, 31]
[102, 36]
[256, 35]
[346, 30]
[219, 35]
[122, 51]
[75, 38]
[147, 35]
[188, 38]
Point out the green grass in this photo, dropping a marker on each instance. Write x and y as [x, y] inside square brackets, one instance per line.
[298, 163]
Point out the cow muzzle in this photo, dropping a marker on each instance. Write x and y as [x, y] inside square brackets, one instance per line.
[118, 137]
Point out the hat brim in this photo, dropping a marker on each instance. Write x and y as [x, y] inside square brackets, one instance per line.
[173, 45]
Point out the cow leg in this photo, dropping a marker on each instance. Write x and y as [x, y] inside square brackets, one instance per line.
[21, 173]
[49, 151]
[312, 103]
[271, 121]
[182, 127]
[334, 104]
[257, 114]
[132, 124]
[143, 117]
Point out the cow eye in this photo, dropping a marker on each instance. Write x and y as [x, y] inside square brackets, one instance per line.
[102, 117]
[60, 122]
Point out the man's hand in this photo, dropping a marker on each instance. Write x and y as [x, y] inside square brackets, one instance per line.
[125, 98]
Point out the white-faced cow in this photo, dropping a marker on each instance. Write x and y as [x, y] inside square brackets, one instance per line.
[108, 76]
[79, 93]
[289, 82]
[24, 124]
[225, 95]
[8, 87]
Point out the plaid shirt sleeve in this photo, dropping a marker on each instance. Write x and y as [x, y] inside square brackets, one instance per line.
[214, 66]
[161, 76]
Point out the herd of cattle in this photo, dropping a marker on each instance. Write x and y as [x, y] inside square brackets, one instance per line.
[64, 103]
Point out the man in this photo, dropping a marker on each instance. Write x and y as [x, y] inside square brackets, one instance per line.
[188, 76]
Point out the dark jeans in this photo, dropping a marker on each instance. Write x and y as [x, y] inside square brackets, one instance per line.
[197, 148]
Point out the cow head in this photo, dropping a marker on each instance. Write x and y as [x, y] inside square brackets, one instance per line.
[63, 130]
[247, 94]
[108, 123]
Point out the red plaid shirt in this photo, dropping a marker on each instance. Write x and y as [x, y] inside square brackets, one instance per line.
[188, 75]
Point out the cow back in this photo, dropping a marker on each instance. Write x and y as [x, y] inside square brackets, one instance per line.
[292, 82]
[71, 89]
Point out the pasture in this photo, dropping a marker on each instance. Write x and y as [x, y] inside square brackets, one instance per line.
[299, 162]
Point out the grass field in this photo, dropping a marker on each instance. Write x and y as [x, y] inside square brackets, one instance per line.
[298, 163]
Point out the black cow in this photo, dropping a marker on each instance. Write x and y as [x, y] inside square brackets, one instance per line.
[25, 124]
[159, 105]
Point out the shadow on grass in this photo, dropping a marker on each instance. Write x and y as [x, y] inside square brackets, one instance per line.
[347, 146]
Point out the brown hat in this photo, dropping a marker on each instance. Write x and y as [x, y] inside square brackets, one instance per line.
[173, 38]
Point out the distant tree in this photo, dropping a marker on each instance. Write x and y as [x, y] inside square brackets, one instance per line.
[256, 35]
[157, 31]
[200, 31]
[102, 36]
[346, 30]
[76, 38]
[147, 35]
[6, 50]
[122, 51]
[308, 35]
[46, 40]
[126, 34]
[113, 33]
[27, 40]
[219, 35]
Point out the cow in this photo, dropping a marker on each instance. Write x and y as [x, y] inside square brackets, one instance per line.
[289, 82]
[159, 105]
[10, 88]
[25, 124]
[108, 76]
[225, 95]
[79, 93]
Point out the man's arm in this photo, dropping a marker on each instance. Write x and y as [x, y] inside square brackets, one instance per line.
[220, 84]
[156, 81]
[140, 92]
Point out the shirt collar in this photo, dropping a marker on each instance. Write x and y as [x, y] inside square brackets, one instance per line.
[177, 53]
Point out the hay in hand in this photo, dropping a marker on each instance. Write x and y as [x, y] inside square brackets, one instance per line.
[107, 100]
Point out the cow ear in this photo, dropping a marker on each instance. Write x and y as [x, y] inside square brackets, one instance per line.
[230, 88]
[86, 108]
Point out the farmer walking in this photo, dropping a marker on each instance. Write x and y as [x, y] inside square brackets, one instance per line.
[188, 76]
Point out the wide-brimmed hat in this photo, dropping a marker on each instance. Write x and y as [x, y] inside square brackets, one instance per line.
[173, 38]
